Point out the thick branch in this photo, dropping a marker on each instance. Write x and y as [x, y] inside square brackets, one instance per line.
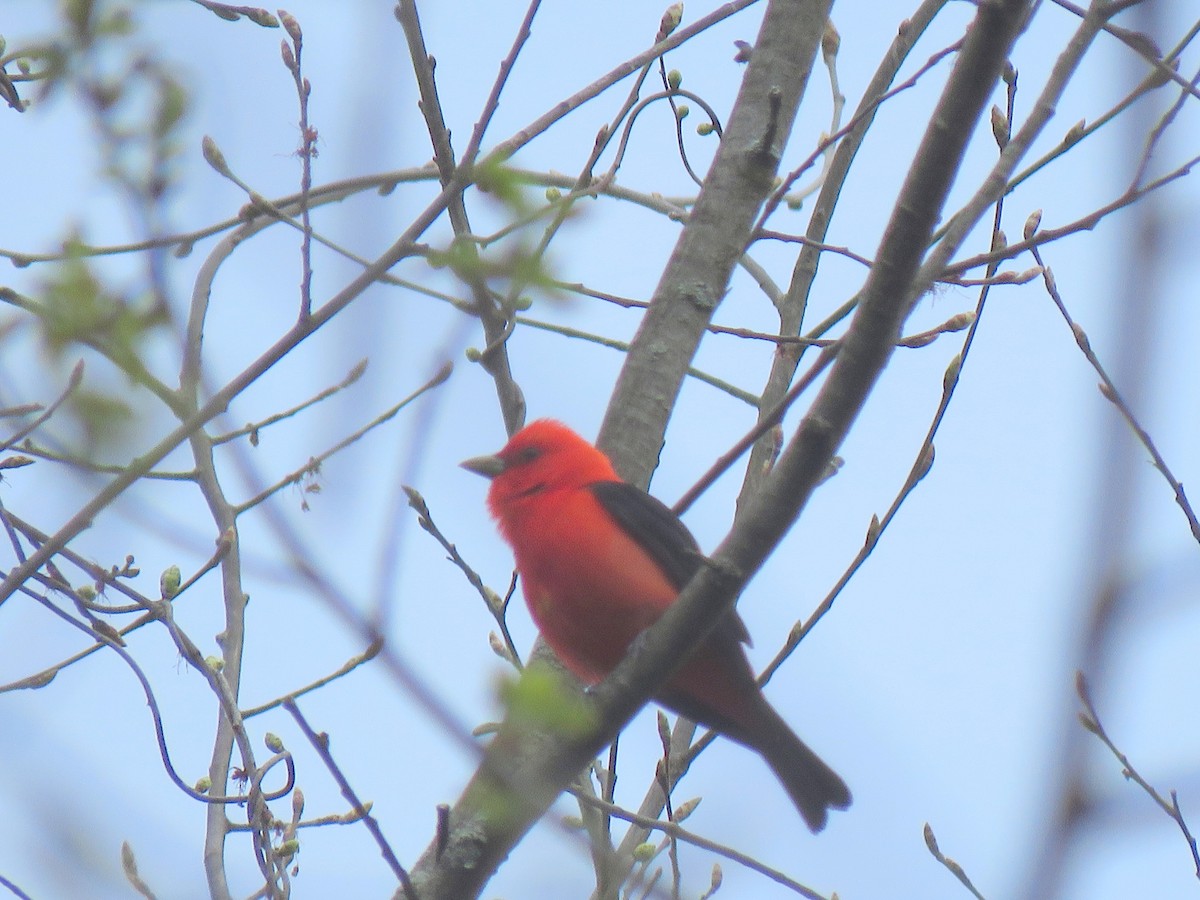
[804, 273]
[697, 275]
[514, 786]
[524, 772]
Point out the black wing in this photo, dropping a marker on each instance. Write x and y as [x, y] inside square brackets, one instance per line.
[655, 528]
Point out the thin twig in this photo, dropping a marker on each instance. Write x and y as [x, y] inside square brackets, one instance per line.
[497, 606]
[349, 666]
[688, 837]
[320, 743]
[314, 463]
[307, 153]
[1114, 396]
[72, 383]
[254, 428]
[1090, 720]
[951, 866]
[765, 424]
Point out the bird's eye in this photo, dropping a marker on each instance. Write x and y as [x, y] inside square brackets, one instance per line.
[528, 454]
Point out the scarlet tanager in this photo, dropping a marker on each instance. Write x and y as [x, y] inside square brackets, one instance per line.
[600, 560]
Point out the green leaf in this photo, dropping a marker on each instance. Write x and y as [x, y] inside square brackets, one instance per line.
[105, 418]
[542, 700]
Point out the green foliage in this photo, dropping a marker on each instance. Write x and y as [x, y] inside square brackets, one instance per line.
[509, 262]
[78, 308]
[494, 176]
[104, 418]
[136, 102]
[170, 107]
[539, 699]
[516, 266]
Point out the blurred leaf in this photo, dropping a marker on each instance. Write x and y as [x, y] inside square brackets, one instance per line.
[494, 176]
[77, 307]
[105, 418]
[172, 104]
[540, 699]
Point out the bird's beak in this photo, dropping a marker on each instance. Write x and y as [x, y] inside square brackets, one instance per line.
[487, 466]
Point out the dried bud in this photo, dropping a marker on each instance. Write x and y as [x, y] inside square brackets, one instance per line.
[950, 379]
[1051, 281]
[291, 26]
[1032, 224]
[105, 630]
[717, 878]
[686, 808]
[958, 322]
[931, 841]
[915, 341]
[1075, 133]
[213, 155]
[1081, 338]
[669, 22]
[872, 532]
[664, 730]
[260, 16]
[830, 41]
[924, 464]
[499, 647]
[494, 601]
[999, 127]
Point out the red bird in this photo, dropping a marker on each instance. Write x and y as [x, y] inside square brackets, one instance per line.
[600, 560]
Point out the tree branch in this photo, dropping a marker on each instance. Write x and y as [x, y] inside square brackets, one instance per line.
[697, 275]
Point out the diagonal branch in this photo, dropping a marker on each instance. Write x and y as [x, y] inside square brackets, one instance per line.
[697, 275]
[528, 770]
[514, 787]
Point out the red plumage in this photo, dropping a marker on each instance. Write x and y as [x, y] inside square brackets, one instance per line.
[600, 560]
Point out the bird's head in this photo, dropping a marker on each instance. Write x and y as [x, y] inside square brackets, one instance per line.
[543, 456]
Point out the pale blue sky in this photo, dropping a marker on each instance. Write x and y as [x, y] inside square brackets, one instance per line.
[941, 684]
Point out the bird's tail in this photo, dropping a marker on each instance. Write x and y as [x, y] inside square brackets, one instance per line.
[813, 786]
